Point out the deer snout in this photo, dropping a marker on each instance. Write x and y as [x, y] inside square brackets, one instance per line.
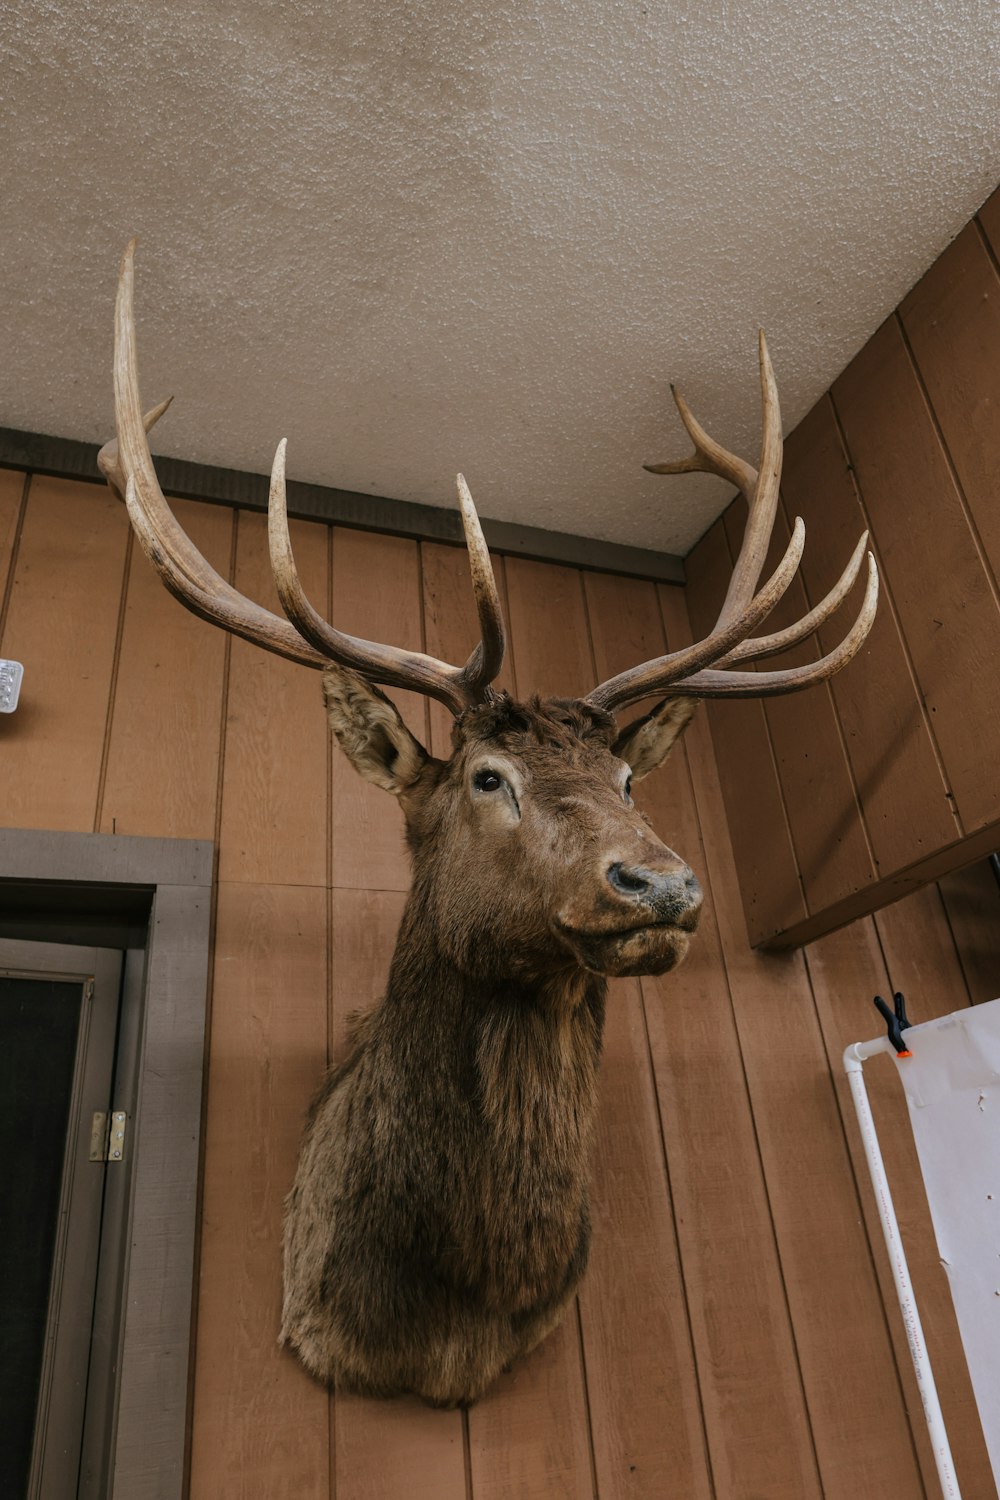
[672, 896]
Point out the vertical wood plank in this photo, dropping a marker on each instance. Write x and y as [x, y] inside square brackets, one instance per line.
[11, 496]
[811, 1196]
[163, 756]
[769, 875]
[972, 902]
[824, 819]
[530, 1436]
[550, 644]
[952, 321]
[451, 627]
[758, 1436]
[931, 565]
[62, 625]
[376, 595]
[273, 826]
[900, 788]
[261, 1426]
[642, 1379]
[382, 1449]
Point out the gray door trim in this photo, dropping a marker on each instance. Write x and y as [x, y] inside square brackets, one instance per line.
[148, 1444]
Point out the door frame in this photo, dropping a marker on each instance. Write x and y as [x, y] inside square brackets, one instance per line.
[151, 897]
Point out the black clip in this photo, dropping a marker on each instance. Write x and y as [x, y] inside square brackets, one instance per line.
[896, 1022]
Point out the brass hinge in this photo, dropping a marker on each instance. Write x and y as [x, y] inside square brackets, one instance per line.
[107, 1136]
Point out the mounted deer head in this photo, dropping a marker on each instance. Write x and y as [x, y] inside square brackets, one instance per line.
[438, 1225]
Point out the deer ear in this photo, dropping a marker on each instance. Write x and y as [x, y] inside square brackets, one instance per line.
[647, 743]
[371, 732]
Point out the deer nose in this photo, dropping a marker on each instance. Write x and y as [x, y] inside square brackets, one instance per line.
[674, 897]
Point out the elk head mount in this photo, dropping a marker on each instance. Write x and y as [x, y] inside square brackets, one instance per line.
[438, 1225]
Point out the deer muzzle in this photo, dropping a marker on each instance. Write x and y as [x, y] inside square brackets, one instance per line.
[641, 923]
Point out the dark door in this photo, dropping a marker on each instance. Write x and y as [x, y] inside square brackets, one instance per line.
[58, 1024]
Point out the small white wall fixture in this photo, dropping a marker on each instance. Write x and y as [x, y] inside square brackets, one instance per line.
[11, 675]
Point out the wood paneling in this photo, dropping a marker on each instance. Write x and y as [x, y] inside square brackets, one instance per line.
[62, 624]
[275, 819]
[952, 322]
[831, 848]
[12, 488]
[896, 770]
[736, 1334]
[765, 856]
[972, 905]
[931, 565]
[261, 1426]
[166, 722]
[812, 1202]
[642, 1382]
[889, 777]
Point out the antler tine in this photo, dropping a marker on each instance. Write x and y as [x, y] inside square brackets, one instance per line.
[390, 665]
[108, 460]
[781, 640]
[305, 637]
[709, 457]
[726, 684]
[188, 575]
[683, 671]
[663, 671]
[483, 665]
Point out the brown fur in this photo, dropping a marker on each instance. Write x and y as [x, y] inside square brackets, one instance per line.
[439, 1221]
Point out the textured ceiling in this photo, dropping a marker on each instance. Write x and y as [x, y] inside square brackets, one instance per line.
[478, 234]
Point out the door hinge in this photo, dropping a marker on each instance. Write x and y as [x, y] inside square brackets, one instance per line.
[107, 1136]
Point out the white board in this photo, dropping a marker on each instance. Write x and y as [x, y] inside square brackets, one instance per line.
[952, 1086]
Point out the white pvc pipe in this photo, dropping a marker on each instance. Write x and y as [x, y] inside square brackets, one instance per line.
[854, 1057]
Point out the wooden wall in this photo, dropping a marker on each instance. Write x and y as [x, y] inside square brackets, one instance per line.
[842, 799]
[736, 1335]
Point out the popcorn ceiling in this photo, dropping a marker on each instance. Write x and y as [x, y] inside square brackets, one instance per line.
[435, 235]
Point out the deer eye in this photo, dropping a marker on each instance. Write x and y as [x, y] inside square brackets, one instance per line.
[627, 789]
[487, 781]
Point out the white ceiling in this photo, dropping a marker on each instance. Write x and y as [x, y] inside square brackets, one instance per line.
[421, 235]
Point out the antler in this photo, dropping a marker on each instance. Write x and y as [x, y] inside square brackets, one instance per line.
[304, 637]
[681, 673]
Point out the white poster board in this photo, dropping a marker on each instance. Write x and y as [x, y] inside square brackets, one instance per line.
[952, 1086]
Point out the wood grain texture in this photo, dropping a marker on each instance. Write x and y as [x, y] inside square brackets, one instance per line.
[817, 788]
[376, 595]
[811, 1196]
[12, 485]
[643, 1384]
[972, 905]
[884, 726]
[62, 626]
[261, 1426]
[382, 1450]
[166, 721]
[930, 562]
[744, 1340]
[769, 874]
[952, 322]
[274, 819]
[451, 628]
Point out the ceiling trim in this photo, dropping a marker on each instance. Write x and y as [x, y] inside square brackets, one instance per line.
[66, 458]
